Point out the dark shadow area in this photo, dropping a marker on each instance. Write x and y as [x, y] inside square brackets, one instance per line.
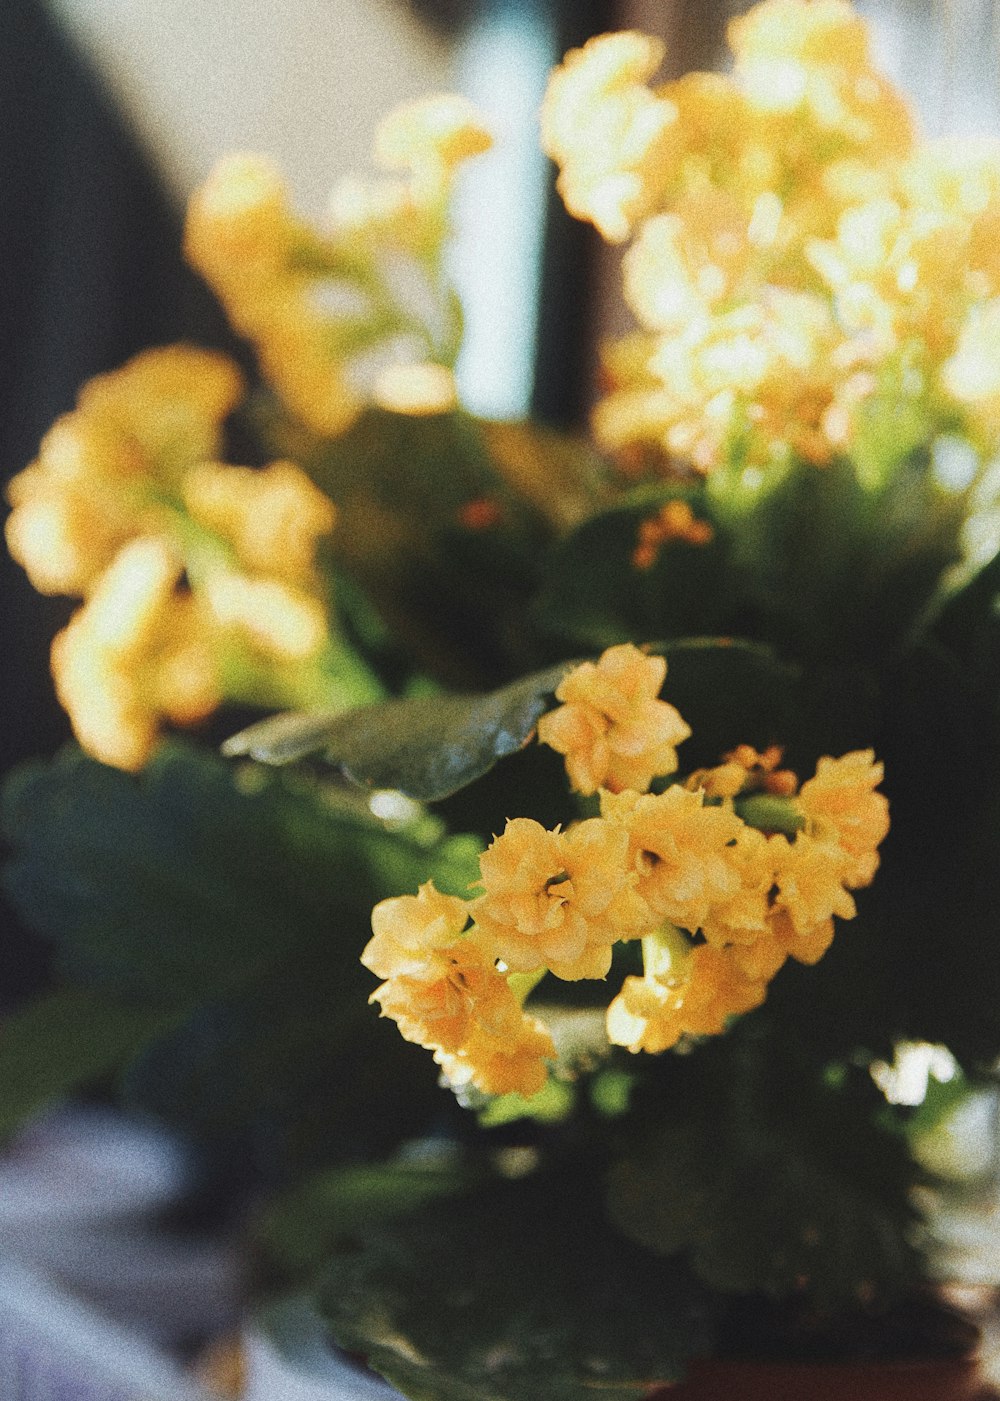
[92, 273]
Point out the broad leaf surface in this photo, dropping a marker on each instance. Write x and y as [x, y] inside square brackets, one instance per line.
[519, 1292]
[65, 1039]
[770, 1181]
[427, 747]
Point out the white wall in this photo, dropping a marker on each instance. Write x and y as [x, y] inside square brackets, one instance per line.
[304, 80]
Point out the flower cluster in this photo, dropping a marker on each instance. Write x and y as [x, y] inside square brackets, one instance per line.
[361, 312]
[719, 893]
[194, 574]
[795, 247]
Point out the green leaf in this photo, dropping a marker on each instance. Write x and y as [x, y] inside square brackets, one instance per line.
[732, 692]
[237, 903]
[427, 747]
[773, 1183]
[594, 595]
[300, 1230]
[516, 1292]
[442, 522]
[195, 876]
[67, 1039]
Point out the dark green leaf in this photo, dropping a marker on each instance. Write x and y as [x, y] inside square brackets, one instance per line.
[517, 1292]
[593, 594]
[65, 1040]
[195, 877]
[773, 1183]
[301, 1230]
[442, 521]
[427, 746]
[732, 692]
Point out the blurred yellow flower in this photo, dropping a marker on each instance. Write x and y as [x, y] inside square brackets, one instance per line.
[335, 315]
[138, 654]
[612, 727]
[613, 139]
[273, 517]
[105, 471]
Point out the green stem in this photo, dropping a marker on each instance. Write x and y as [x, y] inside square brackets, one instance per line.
[522, 985]
[771, 814]
[665, 952]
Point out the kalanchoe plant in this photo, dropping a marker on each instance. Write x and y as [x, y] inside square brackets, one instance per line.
[577, 770]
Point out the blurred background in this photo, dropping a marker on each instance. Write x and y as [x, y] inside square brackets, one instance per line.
[113, 111]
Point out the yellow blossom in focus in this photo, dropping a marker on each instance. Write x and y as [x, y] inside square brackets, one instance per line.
[446, 993]
[515, 1061]
[681, 851]
[653, 1012]
[405, 928]
[136, 655]
[613, 139]
[840, 801]
[104, 469]
[558, 900]
[811, 877]
[612, 727]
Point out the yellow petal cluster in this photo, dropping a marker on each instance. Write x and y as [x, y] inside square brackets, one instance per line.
[139, 653]
[191, 570]
[443, 989]
[612, 139]
[104, 470]
[652, 1013]
[719, 903]
[336, 314]
[558, 900]
[796, 248]
[612, 727]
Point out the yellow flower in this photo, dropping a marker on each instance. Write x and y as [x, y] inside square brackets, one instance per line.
[810, 59]
[431, 137]
[681, 852]
[763, 371]
[764, 957]
[653, 1012]
[406, 928]
[273, 517]
[334, 313]
[136, 655]
[811, 877]
[445, 993]
[811, 31]
[613, 139]
[514, 1063]
[971, 375]
[103, 470]
[840, 803]
[558, 900]
[612, 727]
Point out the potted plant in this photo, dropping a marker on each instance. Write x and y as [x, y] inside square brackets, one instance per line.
[669, 769]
